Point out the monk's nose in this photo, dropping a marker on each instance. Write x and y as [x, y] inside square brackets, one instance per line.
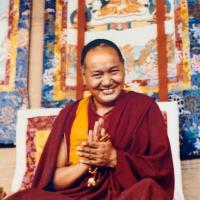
[106, 80]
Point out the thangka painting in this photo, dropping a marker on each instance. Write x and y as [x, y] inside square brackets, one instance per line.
[189, 100]
[14, 48]
[132, 26]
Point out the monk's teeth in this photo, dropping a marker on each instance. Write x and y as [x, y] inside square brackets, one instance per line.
[108, 91]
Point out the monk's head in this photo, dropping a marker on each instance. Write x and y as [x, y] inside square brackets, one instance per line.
[103, 70]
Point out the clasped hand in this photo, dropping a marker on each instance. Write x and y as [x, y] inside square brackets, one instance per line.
[95, 152]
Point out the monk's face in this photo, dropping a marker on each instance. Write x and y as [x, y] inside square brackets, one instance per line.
[103, 74]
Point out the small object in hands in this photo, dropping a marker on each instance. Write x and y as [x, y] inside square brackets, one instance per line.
[94, 175]
[104, 138]
[91, 182]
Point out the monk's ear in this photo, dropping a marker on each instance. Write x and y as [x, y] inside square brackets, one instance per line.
[83, 74]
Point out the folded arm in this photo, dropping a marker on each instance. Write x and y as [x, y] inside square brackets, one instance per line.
[65, 175]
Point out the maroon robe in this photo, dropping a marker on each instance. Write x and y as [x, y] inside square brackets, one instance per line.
[144, 168]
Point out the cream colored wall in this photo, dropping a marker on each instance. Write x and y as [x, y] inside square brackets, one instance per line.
[36, 53]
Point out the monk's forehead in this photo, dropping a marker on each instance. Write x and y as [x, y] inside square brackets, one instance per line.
[101, 51]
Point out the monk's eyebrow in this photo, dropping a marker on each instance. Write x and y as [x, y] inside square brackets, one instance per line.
[96, 71]
[114, 68]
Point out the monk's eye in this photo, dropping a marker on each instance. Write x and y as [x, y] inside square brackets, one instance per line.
[96, 75]
[114, 71]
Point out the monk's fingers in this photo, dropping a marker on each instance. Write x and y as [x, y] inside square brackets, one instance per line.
[103, 150]
[97, 129]
[94, 162]
[99, 147]
[86, 150]
[88, 156]
[95, 150]
[102, 133]
[90, 136]
[91, 144]
[101, 130]
[98, 126]
[104, 155]
[93, 154]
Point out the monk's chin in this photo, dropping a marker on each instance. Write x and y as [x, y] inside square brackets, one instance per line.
[108, 100]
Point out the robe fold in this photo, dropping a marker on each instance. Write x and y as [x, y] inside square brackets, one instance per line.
[144, 169]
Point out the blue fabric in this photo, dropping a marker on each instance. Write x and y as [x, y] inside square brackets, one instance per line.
[10, 102]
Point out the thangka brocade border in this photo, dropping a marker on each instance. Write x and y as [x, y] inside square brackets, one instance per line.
[35, 124]
[14, 97]
[189, 100]
[9, 82]
[183, 79]
[54, 92]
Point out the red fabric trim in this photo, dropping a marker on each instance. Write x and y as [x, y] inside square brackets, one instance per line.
[80, 44]
[162, 51]
[63, 49]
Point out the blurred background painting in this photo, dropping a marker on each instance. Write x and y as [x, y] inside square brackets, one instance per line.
[14, 50]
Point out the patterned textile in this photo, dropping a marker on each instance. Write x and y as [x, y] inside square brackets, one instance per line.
[126, 23]
[189, 110]
[14, 41]
[37, 133]
[58, 57]
[33, 128]
[189, 100]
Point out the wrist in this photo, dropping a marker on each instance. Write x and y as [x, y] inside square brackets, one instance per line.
[83, 166]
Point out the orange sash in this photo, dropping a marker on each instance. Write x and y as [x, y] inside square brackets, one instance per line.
[79, 130]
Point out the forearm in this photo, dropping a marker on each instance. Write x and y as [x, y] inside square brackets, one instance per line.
[66, 176]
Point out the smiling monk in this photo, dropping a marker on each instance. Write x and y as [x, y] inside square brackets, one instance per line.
[110, 145]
